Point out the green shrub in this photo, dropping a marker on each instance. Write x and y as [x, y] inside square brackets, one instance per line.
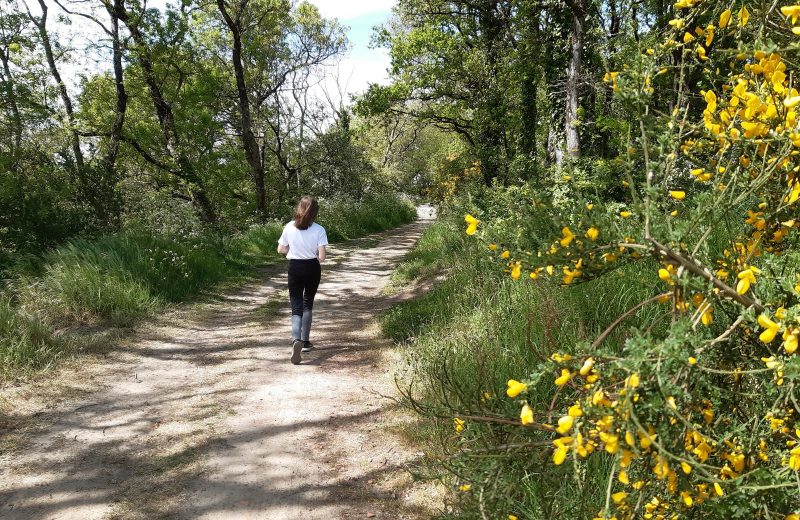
[464, 340]
[25, 341]
[117, 279]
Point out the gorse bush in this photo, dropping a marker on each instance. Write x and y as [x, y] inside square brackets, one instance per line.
[694, 413]
[466, 338]
[117, 279]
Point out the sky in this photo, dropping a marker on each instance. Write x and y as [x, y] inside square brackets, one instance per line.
[362, 65]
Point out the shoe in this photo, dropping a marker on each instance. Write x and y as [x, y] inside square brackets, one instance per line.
[297, 346]
[308, 346]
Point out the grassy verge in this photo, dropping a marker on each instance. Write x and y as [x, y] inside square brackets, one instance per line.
[470, 334]
[117, 279]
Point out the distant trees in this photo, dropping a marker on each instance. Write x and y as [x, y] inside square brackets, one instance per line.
[519, 80]
[213, 104]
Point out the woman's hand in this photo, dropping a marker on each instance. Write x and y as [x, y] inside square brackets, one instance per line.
[283, 249]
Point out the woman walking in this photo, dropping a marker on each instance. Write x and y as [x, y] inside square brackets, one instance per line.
[303, 242]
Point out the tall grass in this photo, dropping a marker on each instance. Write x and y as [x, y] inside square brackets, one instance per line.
[470, 334]
[117, 279]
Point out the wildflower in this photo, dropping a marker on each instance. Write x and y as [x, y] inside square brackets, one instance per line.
[794, 459]
[791, 11]
[677, 195]
[587, 366]
[744, 16]
[746, 278]
[701, 53]
[718, 489]
[770, 329]
[619, 497]
[515, 388]
[505, 254]
[559, 455]
[686, 467]
[512, 517]
[625, 214]
[473, 224]
[632, 381]
[563, 378]
[565, 424]
[592, 233]
[724, 18]
[526, 415]
[464, 487]
[516, 270]
[692, 360]
[790, 342]
[568, 237]
[458, 424]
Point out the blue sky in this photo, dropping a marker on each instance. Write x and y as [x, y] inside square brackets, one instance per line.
[363, 65]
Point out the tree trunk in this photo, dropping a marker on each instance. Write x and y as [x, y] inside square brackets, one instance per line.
[41, 24]
[252, 149]
[108, 162]
[490, 136]
[571, 123]
[166, 119]
[12, 97]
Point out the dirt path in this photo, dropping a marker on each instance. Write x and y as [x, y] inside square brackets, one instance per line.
[204, 416]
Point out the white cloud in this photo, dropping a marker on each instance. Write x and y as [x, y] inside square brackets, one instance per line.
[348, 9]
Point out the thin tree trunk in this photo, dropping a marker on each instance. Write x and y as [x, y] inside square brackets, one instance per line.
[41, 24]
[109, 160]
[12, 97]
[166, 119]
[251, 147]
[571, 130]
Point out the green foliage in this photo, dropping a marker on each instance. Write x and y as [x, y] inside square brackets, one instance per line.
[117, 279]
[464, 340]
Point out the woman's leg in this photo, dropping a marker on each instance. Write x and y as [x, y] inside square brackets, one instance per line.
[309, 292]
[296, 285]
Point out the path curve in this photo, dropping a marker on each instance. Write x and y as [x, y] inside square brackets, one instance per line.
[204, 417]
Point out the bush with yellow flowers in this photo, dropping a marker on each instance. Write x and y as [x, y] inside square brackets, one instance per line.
[699, 410]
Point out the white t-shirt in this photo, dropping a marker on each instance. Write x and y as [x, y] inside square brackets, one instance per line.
[303, 243]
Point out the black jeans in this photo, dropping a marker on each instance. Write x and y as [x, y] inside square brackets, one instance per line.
[304, 276]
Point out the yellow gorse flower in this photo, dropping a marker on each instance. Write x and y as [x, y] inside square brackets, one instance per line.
[792, 12]
[746, 279]
[568, 236]
[770, 328]
[526, 415]
[472, 222]
[515, 388]
[724, 18]
[564, 377]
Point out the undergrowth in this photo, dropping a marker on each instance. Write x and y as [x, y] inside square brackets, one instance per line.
[464, 339]
[117, 279]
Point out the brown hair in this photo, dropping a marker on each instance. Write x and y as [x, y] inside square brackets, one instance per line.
[305, 212]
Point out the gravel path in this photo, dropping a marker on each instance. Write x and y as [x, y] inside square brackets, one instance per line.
[201, 415]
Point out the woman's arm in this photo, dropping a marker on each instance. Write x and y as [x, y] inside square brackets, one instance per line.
[322, 253]
[283, 249]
